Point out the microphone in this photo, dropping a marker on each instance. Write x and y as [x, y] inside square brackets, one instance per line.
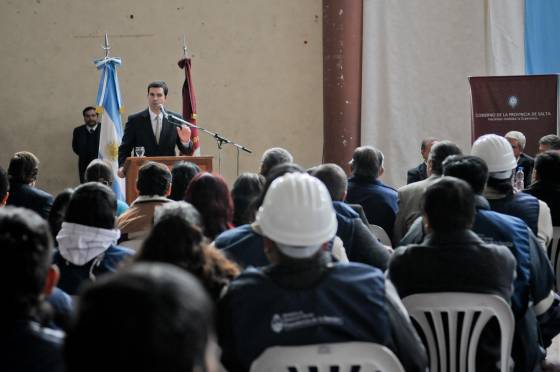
[165, 114]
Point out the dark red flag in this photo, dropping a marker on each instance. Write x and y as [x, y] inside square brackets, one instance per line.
[189, 102]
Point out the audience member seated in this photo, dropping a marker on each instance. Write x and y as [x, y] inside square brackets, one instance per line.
[87, 239]
[58, 211]
[364, 187]
[498, 155]
[410, 196]
[244, 244]
[303, 298]
[152, 317]
[453, 259]
[524, 161]
[177, 240]
[246, 192]
[154, 185]
[4, 187]
[273, 157]
[209, 194]
[22, 173]
[99, 171]
[181, 175]
[533, 300]
[25, 279]
[549, 142]
[547, 182]
[420, 172]
[359, 242]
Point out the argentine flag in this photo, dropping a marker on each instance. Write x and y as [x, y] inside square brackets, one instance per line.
[109, 105]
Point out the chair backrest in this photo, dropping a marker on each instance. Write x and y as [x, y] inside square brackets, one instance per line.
[553, 254]
[380, 234]
[347, 356]
[457, 325]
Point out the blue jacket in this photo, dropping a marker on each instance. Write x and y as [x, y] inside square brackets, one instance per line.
[520, 205]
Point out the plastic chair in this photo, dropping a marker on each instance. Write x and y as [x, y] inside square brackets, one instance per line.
[553, 254]
[452, 304]
[380, 234]
[368, 357]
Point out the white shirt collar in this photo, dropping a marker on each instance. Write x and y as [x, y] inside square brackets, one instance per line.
[92, 129]
[153, 115]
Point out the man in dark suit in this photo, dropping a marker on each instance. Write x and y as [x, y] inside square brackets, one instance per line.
[419, 172]
[22, 173]
[517, 141]
[85, 140]
[151, 130]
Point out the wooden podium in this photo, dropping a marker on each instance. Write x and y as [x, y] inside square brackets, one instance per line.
[131, 166]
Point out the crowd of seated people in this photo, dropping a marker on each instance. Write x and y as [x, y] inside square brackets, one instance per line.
[195, 277]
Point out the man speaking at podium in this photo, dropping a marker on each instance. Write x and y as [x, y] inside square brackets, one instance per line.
[151, 130]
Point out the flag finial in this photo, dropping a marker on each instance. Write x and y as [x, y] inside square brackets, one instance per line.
[185, 49]
[106, 47]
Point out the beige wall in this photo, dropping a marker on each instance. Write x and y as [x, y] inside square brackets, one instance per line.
[257, 69]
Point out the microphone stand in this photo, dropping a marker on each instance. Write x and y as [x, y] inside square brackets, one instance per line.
[220, 140]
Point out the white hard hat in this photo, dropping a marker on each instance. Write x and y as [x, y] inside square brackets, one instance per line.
[297, 214]
[496, 151]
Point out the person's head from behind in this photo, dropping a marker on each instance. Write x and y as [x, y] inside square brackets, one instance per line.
[549, 142]
[498, 155]
[181, 175]
[448, 206]
[58, 211]
[517, 141]
[296, 218]
[210, 195]
[92, 204]
[439, 152]
[99, 171]
[367, 161]
[154, 179]
[426, 147]
[334, 178]
[180, 209]
[547, 167]
[471, 169]
[23, 168]
[26, 246]
[4, 187]
[157, 316]
[273, 157]
[246, 191]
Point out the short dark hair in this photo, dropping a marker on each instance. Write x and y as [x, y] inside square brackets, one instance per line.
[273, 157]
[158, 313]
[426, 141]
[551, 140]
[26, 246]
[470, 169]
[4, 184]
[159, 84]
[367, 162]
[88, 109]
[446, 192]
[92, 204]
[334, 178]
[99, 171]
[23, 168]
[246, 191]
[439, 152]
[58, 211]
[153, 179]
[181, 174]
[547, 166]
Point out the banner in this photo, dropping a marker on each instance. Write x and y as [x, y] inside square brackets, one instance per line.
[189, 103]
[527, 104]
[109, 105]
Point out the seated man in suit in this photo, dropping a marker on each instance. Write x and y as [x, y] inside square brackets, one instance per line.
[22, 173]
[153, 131]
[524, 161]
[302, 297]
[549, 142]
[420, 172]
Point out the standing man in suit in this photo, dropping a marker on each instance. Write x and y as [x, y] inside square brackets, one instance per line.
[85, 140]
[419, 172]
[150, 129]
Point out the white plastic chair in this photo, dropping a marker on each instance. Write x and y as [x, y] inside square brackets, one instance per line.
[553, 254]
[380, 234]
[369, 357]
[453, 304]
